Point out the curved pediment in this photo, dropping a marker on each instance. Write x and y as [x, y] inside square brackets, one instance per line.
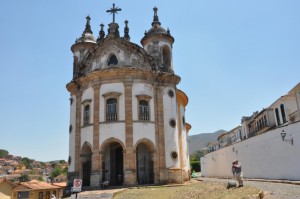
[115, 53]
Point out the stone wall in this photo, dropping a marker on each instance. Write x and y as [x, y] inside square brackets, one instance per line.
[264, 156]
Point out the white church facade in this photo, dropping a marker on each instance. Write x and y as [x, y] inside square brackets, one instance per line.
[127, 117]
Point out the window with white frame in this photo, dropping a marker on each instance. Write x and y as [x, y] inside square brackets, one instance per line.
[144, 110]
[86, 114]
[112, 106]
[143, 107]
[111, 109]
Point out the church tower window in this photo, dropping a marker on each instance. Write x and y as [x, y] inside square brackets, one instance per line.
[86, 116]
[144, 110]
[112, 60]
[111, 110]
[166, 56]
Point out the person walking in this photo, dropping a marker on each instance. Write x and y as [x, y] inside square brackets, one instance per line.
[237, 172]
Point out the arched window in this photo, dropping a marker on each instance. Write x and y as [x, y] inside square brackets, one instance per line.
[144, 110]
[112, 60]
[166, 56]
[86, 114]
[111, 109]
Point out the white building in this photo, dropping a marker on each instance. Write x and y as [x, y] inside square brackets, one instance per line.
[127, 119]
[263, 152]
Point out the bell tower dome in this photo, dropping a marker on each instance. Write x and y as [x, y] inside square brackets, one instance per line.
[82, 46]
[158, 43]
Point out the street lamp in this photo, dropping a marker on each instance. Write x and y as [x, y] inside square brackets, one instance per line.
[283, 134]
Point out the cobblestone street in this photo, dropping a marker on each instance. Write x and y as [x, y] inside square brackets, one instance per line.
[273, 190]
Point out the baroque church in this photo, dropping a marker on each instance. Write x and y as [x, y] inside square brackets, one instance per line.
[127, 118]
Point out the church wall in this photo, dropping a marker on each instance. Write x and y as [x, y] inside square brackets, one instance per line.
[159, 46]
[171, 134]
[109, 130]
[143, 130]
[77, 54]
[71, 167]
[185, 151]
[87, 135]
[88, 94]
[113, 87]
[142, 89]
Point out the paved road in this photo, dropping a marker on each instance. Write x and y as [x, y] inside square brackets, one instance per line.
[274, 190]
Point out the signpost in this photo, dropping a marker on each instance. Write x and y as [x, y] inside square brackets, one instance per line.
[77, 186]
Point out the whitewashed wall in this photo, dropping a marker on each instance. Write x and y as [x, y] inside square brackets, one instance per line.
[183, 140]
[142, 89]
[113, 87]
[88, 94]
[171, 134]
[86, 135]
[264, 156]
[71, 167]
[112, 130]
[143, 129]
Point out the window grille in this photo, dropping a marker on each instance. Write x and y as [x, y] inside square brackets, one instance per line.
[144, 110]
[86, 116]
[111, 110]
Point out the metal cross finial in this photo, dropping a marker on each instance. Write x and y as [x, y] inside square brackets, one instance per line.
[113, 11]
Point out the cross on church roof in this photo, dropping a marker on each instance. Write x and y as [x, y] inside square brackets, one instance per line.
[113, 11]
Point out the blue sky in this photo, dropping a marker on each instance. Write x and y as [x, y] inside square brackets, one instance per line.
[234, 57]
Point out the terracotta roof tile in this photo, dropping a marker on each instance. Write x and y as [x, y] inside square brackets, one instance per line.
[60, 184]
[36, 185]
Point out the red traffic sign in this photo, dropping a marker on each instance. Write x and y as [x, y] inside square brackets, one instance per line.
[77, 183]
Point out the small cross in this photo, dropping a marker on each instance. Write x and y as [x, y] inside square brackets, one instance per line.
[114, 10]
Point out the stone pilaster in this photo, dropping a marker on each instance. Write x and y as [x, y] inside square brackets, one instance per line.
[78, 133]
[95, 174]
[129, 154]
[160, 136]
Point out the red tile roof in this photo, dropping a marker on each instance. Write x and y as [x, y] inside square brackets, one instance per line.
[34, 185]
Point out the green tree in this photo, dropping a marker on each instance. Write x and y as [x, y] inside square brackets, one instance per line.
[65, 170]
[24, 178]
[56, 172]
[198, 154]
[62, 162]
[26, 162]
[40, 178]
[3, 153]
[195, 159]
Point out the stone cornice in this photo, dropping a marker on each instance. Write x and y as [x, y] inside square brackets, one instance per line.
[157, 36]
[123, 74]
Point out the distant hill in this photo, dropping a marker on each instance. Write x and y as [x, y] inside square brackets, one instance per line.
[199, 141]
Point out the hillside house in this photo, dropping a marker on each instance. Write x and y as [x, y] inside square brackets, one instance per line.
[5, 189]
[286, 108]
[35, 189]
